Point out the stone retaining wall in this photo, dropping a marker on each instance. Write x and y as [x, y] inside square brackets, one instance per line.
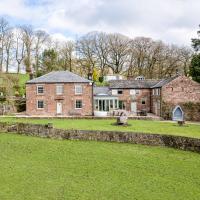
[47, 131]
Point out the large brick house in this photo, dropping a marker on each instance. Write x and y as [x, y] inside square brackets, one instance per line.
[65, 93]
[59, 93]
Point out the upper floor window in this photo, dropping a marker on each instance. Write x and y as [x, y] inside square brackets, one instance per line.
[120, 92]
[40, 104]
[40, 89]
[78, 89]
[59, 89]
[156, 91]
[114, 92]
[134, 92]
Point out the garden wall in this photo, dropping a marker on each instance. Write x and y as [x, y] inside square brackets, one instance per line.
[47, 131]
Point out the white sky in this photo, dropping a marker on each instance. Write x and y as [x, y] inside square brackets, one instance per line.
[173, 21]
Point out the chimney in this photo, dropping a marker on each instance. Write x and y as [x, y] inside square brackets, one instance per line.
[31, 76]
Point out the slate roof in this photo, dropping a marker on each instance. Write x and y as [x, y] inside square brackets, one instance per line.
[139, 84]
[132, 84]
[102, 91]
[59, 77]
[163, 82]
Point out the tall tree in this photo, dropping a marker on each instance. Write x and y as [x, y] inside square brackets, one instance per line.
[102, 52]
[19, 47]
[85, 49]
[195, 68]
[9, 40]
[118, 52]
[67, 54]
[49, 60]
[195, 62]
[40, 38]
[4, 26]
[196, 41]
[28, 37]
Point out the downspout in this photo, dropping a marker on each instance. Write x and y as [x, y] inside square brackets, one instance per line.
[161, 102]
[92, 98]
[150, 100]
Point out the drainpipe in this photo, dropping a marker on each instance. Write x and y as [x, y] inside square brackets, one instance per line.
[92, 98]
[150, 101]
[161, 102]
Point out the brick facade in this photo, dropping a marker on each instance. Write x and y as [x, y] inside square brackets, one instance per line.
[157, 99]
[127, 98]
[68, 99]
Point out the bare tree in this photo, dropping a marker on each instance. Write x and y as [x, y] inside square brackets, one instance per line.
[185, 59]
[67, 54]
[19, 47]
[101, 51]
[85, 48]
[118, 52]
[28, 37]
[4, 26]
[9, 41]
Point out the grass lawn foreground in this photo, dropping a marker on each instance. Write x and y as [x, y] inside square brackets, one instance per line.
[33, 168]
[145, 126]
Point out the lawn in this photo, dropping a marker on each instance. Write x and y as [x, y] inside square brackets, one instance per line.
[161, 127]
[43, 169]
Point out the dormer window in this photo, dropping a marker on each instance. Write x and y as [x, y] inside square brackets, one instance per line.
[40, 89]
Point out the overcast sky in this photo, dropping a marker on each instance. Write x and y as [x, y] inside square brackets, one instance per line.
[173, 21]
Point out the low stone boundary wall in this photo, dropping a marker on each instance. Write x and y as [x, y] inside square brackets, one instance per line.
[47, 131]
[153, 118]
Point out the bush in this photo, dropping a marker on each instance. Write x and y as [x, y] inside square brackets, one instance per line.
[101, 79]
[20, 105]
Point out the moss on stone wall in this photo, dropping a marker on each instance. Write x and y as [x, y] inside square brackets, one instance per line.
[191, 110]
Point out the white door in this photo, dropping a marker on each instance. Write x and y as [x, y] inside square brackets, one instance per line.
[59, 108]
[133, 107]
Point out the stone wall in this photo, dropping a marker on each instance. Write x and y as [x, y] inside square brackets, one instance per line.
[181, 90]
[191, 110]
[47, 131]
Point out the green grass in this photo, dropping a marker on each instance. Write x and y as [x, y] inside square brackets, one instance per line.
[189, 130]
[43, 169]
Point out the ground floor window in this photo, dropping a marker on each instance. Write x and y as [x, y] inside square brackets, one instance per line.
[105, 104]
[78, 104]
[143, 101]
[40, 104]
[122, 105]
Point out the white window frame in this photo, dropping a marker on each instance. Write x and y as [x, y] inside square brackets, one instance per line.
[59, 86]
[114, 92]
[78, 87]
[137, 91]
[37, 89]
[81, 104]
[43, 105]
[132, 92]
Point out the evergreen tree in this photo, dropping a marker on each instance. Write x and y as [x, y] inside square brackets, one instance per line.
[195, 62]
